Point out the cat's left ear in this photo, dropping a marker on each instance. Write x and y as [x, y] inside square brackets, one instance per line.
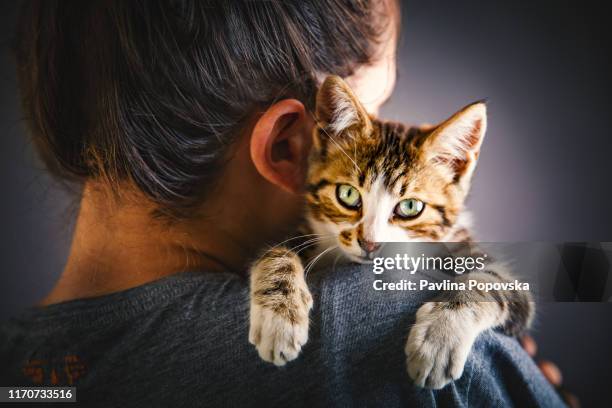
[454, 145]
[338, 110]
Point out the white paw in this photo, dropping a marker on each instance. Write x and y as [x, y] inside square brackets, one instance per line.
[277, 338]
[438, 344]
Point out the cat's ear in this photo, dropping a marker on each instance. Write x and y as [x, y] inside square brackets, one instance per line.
[454, 145]
[339, 110]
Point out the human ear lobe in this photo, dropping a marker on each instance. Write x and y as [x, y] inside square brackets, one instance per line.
[280, 143]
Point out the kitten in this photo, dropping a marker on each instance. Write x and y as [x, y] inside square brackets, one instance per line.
[368, 182]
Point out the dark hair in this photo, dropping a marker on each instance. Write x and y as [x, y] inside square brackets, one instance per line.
[154, 92]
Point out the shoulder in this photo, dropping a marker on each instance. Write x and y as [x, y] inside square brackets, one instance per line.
[500, 370]
[360, 319]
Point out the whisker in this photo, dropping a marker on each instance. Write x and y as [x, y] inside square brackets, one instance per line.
[339, 147]
[306, 243]
[307, 247]
[293, 239]
[313, 242]
[312, 263]
[321, 236]
[309, 243]
[355, 149]
[336, 261]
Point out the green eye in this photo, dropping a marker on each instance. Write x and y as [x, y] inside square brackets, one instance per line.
[348, 196]
[410, 208]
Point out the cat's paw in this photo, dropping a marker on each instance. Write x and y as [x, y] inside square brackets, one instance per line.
[279, 333]
[438, 345]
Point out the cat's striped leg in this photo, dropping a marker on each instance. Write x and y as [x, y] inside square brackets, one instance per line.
[280, 304]
[445, 330]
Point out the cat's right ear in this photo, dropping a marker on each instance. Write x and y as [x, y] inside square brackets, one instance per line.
[338, 110]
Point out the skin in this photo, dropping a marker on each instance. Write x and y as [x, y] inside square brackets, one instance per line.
[116, 244]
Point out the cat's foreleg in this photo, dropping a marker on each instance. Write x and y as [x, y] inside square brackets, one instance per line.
[445, 329]
[280, 304]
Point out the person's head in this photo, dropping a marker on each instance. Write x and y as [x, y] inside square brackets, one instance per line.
[198, 108]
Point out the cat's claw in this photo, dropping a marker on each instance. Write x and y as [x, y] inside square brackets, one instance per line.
[438, 346]
[277, 338]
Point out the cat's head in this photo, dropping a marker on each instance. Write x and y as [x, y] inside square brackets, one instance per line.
[371, 181]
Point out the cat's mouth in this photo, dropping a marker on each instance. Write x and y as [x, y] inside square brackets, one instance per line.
[362, 255]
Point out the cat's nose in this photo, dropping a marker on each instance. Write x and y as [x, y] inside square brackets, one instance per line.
[368, 246]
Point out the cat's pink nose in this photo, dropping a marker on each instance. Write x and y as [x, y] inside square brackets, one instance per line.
[368, 246]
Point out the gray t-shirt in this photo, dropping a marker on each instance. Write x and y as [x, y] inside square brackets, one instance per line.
[183, 341]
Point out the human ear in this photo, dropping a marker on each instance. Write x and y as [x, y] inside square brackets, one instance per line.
[280, 143]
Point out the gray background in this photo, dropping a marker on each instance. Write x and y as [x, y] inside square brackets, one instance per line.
[543, 173]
